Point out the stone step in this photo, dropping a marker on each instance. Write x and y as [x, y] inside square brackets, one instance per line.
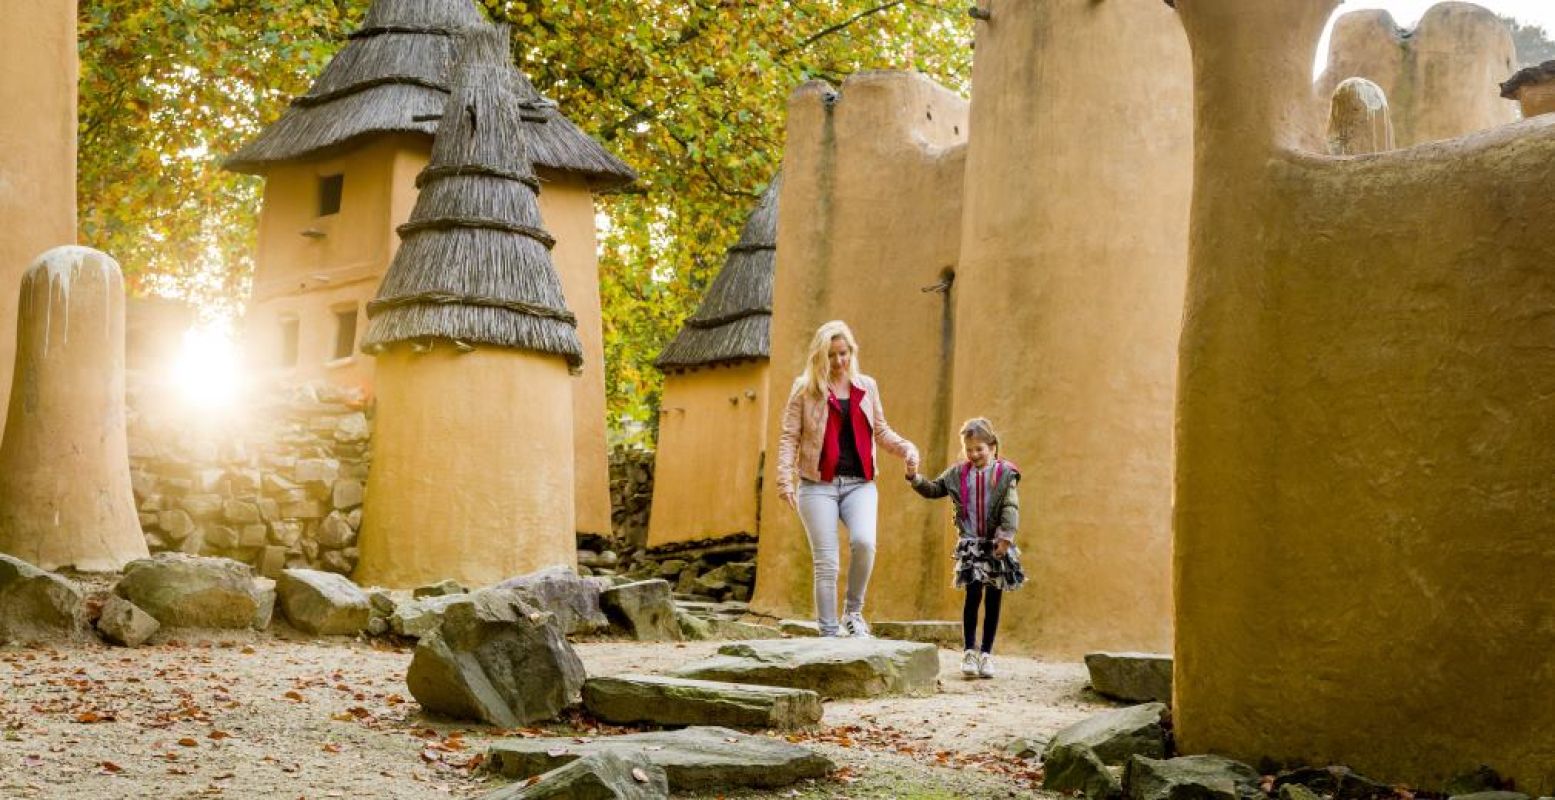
[601, 774]
[633, 699]
[692, 758]
[945, 633]
[830, 667]
[1132, 677]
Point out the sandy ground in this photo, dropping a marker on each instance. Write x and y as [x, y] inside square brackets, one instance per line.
[277, 716]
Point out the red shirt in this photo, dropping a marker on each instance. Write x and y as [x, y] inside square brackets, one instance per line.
[831, 449]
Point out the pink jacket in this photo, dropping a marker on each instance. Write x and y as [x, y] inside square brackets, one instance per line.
[804, 430]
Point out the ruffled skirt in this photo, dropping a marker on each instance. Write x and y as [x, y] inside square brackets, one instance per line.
[976, 563]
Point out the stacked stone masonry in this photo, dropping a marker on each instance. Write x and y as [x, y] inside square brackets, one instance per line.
[283, 489]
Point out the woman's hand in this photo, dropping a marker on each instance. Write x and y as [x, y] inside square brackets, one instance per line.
[912, 461]
[788, 497]
[1001, 547]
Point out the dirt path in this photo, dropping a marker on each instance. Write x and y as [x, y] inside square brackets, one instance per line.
[277, 717]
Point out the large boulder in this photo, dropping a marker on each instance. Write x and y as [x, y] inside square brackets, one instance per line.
[1114, 735]
[185, 591]
[1190, 778]
[122, 623]
[1131, 677]
[597, 776]
[693, 758]
[419, 618]
[645, 610]
[944, 633]
[495, 659]
[573, 598]
[322, 603]
[1077, 757]
[831, 667]
[656, 700]
[36, 605]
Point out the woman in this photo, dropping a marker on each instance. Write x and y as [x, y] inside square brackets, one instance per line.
[831, 426]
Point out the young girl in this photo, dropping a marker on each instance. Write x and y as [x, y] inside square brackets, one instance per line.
[987, 516]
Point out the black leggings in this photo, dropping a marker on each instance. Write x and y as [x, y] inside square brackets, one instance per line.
[975, 594]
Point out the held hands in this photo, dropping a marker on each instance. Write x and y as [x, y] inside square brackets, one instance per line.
[1001, 547]
[912, 463]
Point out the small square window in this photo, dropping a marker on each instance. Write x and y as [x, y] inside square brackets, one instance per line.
[345, 332]
[289, 331]
[330, 187]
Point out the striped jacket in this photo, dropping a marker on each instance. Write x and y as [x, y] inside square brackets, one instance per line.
[999, 518]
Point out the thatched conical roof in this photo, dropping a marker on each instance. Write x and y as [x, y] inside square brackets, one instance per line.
[735, 319]
[392, 75]
[474, 264]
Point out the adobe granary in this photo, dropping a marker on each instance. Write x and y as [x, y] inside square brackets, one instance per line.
[716, 396]
[472, 476]
[340, 167]
[1364, 430]
[1437, 78]
[1533, 88]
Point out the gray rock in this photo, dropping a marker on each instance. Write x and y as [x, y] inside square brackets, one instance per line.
[1190, 778]
[377, 626]
[322, 603]
[832, 667]
[497, 660]
[643, 609]
[334, 531]
[347, 494]
[264, 591]
[1491, 795]
[736, 631]
[800, 627]
[202, 506]
[1295, 791]
[1114, 735]
[631, 699]
[337, 561]
[692, 758]
[671, 568]
[253, 535]
[944, 633]
[597, 776]
[419, 618]
[176, 522]
[1081, 771]
[573, 598]
[315, 470]
[222, 537]
[1479, 780]
[442, 588]
[352, 428]
[693, 627]
[240, 512]
[1338, 783]
[286, 534]
[36, 605]
[124, 624]
[1024, 748]
[1132, 677]
[181, 590]
[381, 602]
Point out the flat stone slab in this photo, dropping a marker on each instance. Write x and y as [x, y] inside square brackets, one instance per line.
[800, 627]
[631, 699]
[1131, 677]
[598, 775]
[945, 633]
[828, 666]
[692, 758]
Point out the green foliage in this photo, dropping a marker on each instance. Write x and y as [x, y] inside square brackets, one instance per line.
[1534, 45]
[691, 93]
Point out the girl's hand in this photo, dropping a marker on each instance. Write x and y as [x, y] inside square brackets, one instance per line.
[788, 497]
[1001, 547]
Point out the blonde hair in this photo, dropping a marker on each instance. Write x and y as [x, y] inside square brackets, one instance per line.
[816, 369]
[979, 429]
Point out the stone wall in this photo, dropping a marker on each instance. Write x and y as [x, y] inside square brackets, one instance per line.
[631, 494]
[279, 486]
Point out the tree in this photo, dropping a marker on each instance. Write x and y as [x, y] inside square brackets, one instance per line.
[1533, 43]
[692, 94]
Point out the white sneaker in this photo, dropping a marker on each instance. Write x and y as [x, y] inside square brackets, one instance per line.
[969, 664]
[985, 665]
[855, 625]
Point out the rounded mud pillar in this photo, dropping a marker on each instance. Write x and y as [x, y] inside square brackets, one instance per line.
[472, 467]
[65, 497]
[1068, 302]
[1358, 121]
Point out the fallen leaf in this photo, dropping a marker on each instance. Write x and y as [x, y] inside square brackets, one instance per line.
[111, 768]
[188, 741]
[331, 748]
[218, 735]
[294, 696]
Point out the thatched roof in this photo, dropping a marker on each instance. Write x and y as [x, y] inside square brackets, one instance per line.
[474, 264]
[392, 75]
[735, 319]
[1541, 73]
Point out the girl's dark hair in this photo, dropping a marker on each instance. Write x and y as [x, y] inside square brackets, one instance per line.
[980, 429]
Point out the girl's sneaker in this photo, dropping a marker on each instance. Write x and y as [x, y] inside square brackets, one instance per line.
[969, 664]
[985, 665]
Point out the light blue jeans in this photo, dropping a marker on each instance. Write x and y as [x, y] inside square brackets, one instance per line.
[855, 502]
